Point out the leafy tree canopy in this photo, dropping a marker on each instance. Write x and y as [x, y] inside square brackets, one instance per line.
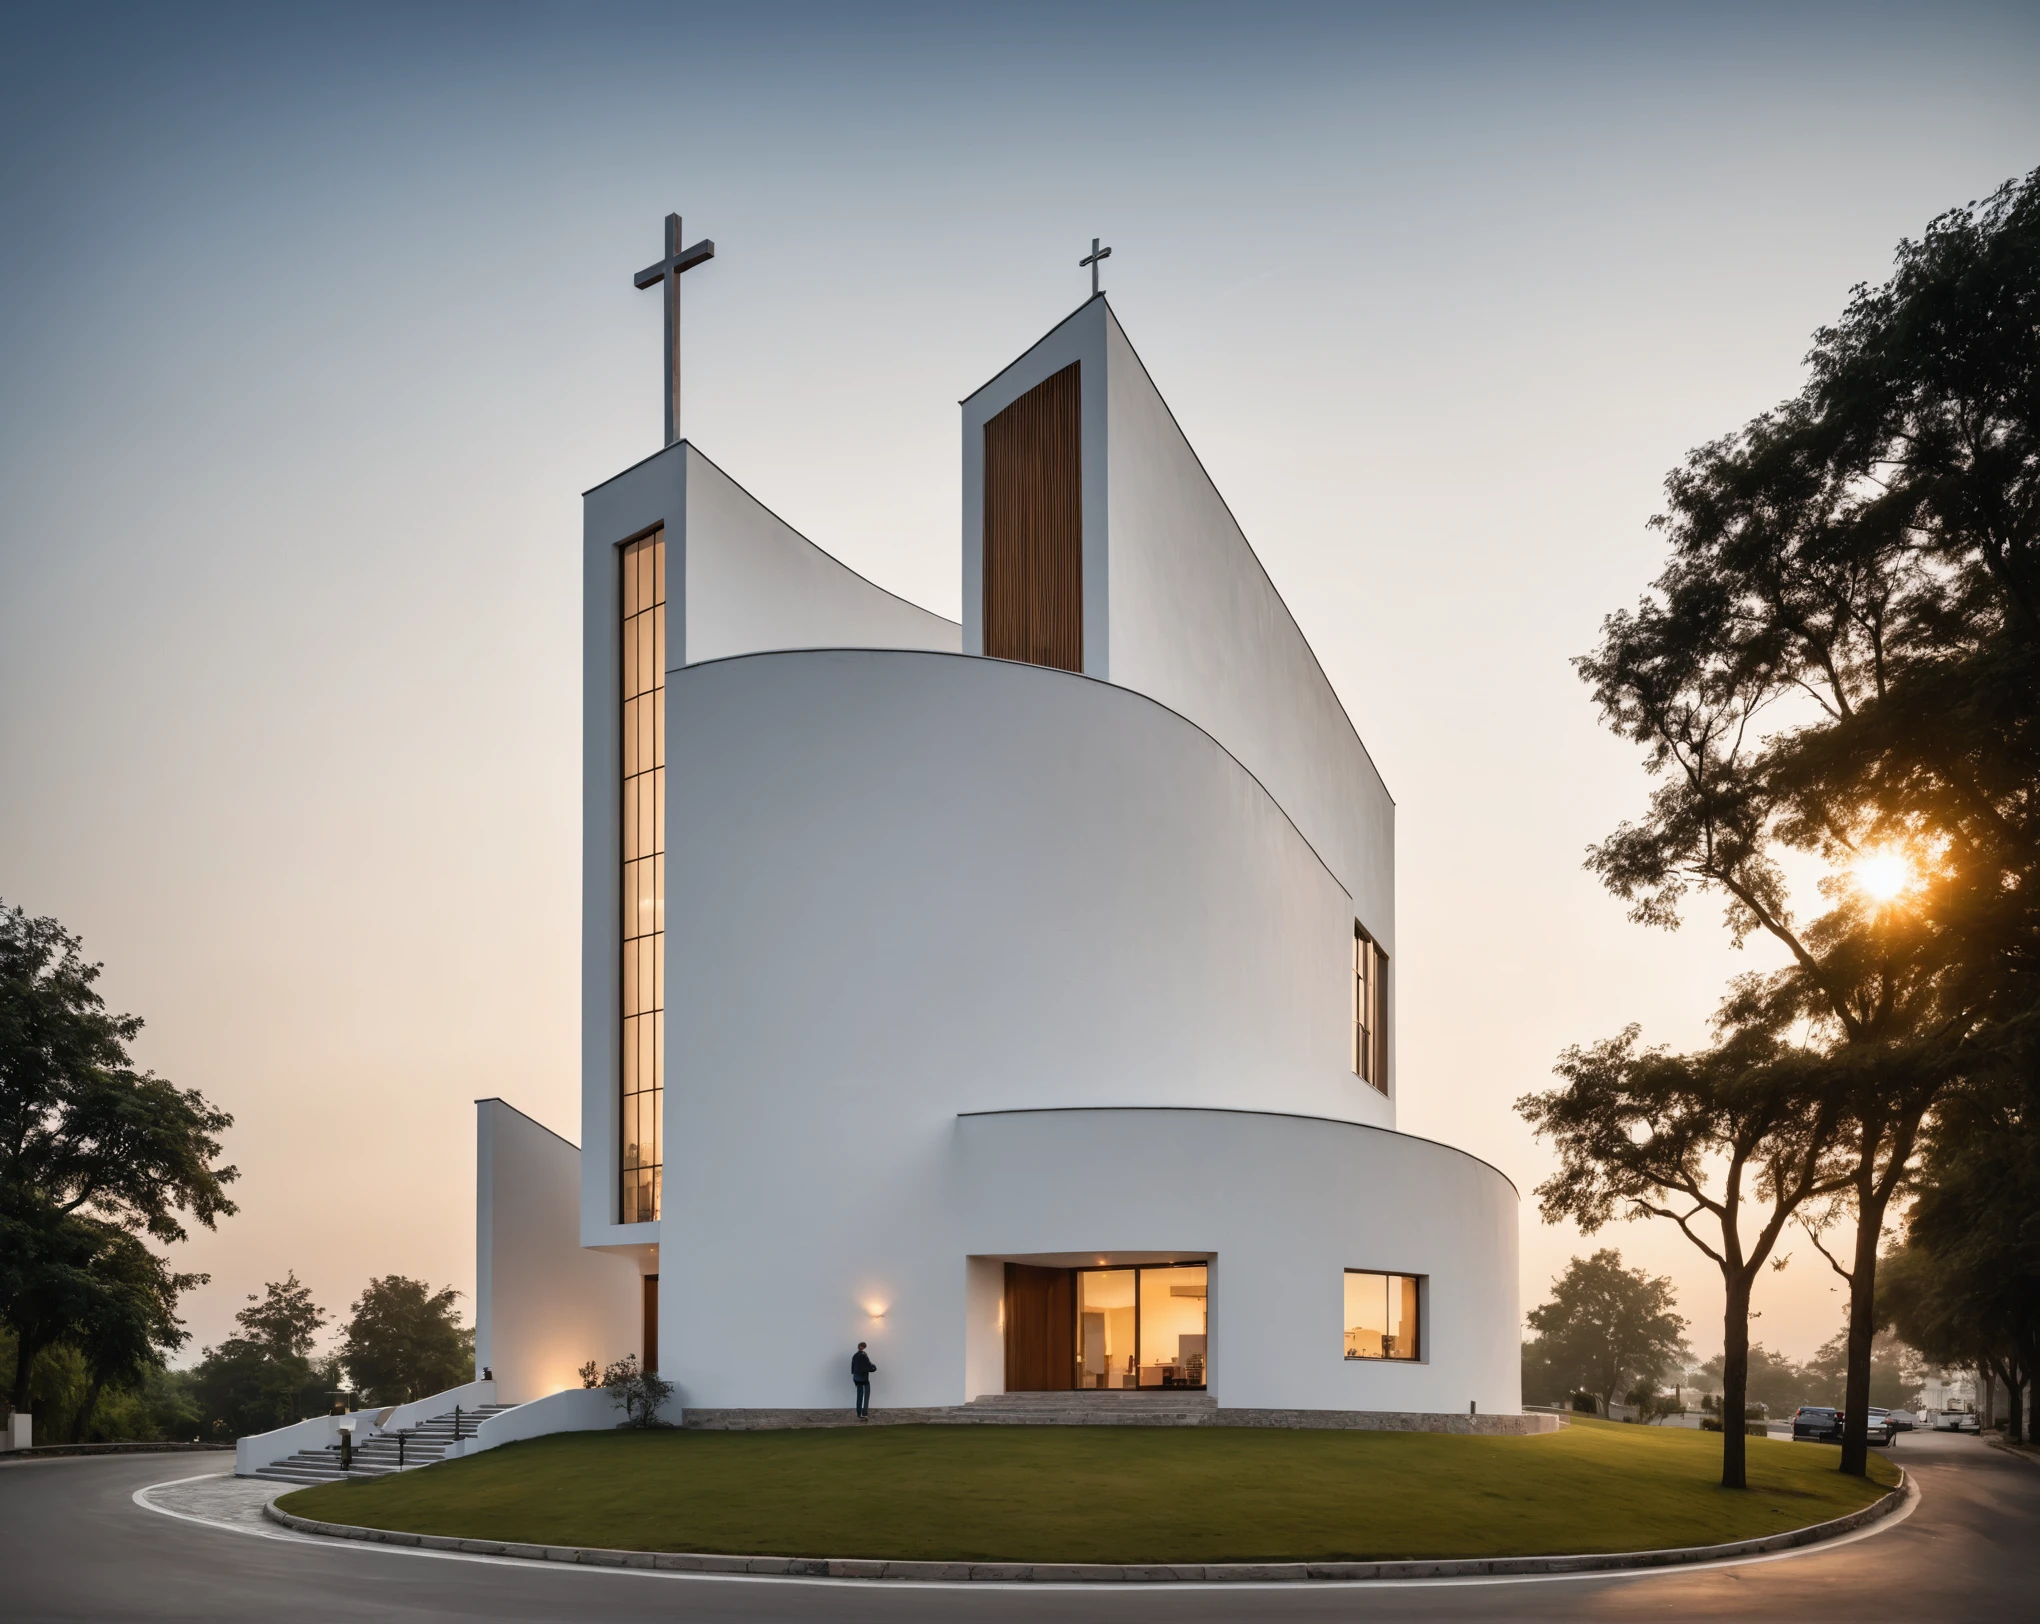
[1606, 1327]
[284, 1319]
[94, 1156]
[405, 1341]
[1841, 659]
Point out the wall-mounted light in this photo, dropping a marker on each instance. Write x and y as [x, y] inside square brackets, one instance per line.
[875, 1310]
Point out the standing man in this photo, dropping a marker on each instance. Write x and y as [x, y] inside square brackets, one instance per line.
[861, 1368]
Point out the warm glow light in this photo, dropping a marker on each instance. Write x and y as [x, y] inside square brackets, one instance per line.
[875, 1310]
[1881, 875]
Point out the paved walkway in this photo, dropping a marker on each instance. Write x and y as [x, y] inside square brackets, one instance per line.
[75, 1545]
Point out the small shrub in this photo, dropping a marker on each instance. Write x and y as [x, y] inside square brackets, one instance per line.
[638, 1393]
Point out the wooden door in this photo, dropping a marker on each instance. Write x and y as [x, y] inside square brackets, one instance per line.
[1034, 526]
[1041, 1329]
[651, 1322]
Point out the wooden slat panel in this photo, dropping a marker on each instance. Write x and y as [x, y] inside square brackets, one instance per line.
[1041, 1329]
[1034, 526]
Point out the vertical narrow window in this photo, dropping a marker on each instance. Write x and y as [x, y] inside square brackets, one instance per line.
[1370, 1010]
[1034, 526]
[643, 1071]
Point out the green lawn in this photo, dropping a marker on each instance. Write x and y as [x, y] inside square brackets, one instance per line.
[1109, 1494]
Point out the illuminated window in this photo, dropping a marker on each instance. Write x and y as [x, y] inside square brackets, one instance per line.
[644, 873]
[1143, 1327]
[1370, 1010]
[1381, 1315]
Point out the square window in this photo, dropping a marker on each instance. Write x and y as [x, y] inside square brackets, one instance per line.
[1383, 1315]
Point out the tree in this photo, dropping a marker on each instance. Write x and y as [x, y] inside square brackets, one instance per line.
[284, 1319]
[1541, 1383]
[1965, 1289]
[1607, 1327]
[1842, 658]
[1775, 1385]
[406, 1341]
[1895, 1371]
[90, 1150]
[1694, 1139]
[129, 1323]
[265, 1378]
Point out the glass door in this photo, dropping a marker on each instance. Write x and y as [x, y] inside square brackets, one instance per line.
[1143, 1327]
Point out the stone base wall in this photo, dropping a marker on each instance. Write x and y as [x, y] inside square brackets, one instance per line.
[1486, 1426]
[1482, 1426]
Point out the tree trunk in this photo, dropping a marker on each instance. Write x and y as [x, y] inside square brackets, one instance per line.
[84, 1416]
[1862, 1331]
[1735, 1383]
[25, 1355]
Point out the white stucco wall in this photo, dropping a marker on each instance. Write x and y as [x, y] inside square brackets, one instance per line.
[1177, 606]
[1196, 623]
[738, 579]
[905, 885]
[543, 1303]
[1282, 1206]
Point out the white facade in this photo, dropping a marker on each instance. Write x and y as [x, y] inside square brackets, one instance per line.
[970, 962]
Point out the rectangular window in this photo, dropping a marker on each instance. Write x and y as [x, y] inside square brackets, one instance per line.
[1381, 1315]
[643, 832]
[1370, 1010]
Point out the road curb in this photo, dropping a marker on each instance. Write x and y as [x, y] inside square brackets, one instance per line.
[824, 1567]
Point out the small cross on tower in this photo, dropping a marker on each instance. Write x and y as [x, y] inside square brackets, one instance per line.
[1091, 259]
[668, 271]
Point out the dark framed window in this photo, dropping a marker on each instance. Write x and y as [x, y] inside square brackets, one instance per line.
[1384, 1315]
[1370, 1010]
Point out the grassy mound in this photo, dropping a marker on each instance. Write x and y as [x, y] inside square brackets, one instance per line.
[1110, 1494]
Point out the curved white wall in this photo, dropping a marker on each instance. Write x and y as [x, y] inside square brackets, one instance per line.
[903, 886]
[1177, 606]
[1283, 1206]
[738, 579]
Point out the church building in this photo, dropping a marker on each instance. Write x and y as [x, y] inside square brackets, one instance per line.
[1016, 997]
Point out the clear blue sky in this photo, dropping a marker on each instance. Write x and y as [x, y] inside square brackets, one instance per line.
[317, 320]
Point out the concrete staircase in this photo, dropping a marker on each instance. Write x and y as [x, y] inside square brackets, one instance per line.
[1141, 1407]
[425, 1444]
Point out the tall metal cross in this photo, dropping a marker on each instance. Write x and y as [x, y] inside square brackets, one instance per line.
[1091, 259]
[668, 271]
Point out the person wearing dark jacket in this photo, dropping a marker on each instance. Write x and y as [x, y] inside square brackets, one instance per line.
[861, 1368]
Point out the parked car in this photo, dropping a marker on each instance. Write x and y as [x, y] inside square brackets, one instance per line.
[1903, 1421]
[1880, 1430]
[1954, 1421]
[1816, 1423]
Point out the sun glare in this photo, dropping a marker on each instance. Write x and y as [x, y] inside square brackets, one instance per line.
[1881, 875]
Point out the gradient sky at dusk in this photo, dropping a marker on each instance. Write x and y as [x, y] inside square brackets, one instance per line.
[318, 320]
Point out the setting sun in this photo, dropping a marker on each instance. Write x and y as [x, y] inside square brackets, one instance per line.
[1882, 875]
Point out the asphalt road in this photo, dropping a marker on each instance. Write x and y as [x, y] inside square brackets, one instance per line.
[74, 1546]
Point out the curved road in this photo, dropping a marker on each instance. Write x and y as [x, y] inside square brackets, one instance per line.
[74, 1546]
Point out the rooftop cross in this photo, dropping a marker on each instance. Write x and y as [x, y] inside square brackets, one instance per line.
[1091, 259]
[668, 271]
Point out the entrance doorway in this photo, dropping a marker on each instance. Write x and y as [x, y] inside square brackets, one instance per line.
[1040, 1304]
[1107, 1329]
